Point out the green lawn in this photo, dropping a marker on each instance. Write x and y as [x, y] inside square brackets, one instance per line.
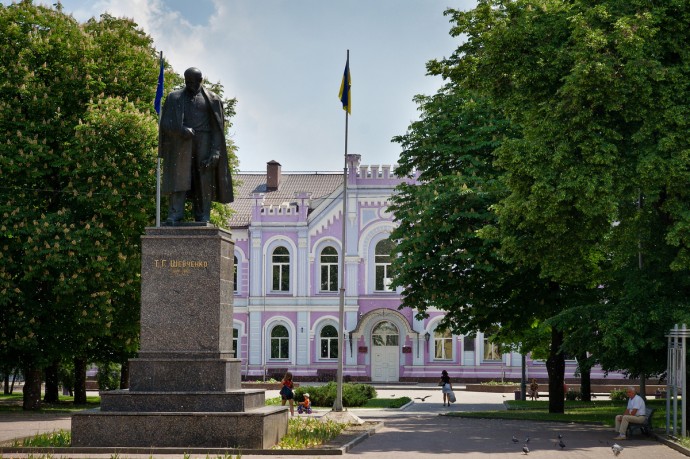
[598, 412]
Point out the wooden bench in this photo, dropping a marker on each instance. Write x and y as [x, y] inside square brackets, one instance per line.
[326, 374]
[276, 373]
[643, 428]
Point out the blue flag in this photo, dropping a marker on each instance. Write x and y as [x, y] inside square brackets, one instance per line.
[159, 89]
[344, 94]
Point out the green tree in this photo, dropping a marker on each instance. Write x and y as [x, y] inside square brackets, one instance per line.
[447, 258]
[598, 92]
[78, 166]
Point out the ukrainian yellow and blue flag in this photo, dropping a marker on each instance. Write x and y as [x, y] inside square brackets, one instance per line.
[345, 95]
[159, 88]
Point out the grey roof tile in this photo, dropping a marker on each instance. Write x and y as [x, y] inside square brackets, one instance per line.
[319, 184]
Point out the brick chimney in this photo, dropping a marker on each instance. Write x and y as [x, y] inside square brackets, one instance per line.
[272, 175]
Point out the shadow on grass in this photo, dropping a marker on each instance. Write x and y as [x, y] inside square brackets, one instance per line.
[13, 403]
[597, 412]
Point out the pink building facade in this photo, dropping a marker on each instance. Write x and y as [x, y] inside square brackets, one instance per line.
[287, 229]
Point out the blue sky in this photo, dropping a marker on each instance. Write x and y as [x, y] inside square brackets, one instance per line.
[283, 60]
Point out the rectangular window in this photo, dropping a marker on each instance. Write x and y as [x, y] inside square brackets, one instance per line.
[468, 343]
[329, 278]
[491, 351]
[280, 348]
[235, 341]
[391, 340]
[383, 282]
[281, 277]
[443, 349]
[329, 348]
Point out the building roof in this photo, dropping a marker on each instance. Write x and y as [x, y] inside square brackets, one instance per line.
[319, 184]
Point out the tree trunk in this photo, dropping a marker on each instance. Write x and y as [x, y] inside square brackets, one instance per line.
[79, 381]
[124, 375]
[52, 394]
[32, 389]
[555, 366]
[585, 377]
[643, 386]
[6, 385]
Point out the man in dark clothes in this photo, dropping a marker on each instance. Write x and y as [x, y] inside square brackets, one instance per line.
[191, 141]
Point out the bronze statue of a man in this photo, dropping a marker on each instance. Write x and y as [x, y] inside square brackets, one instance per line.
[191, 141]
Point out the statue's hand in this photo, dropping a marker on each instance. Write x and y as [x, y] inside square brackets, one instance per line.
[212, 161]
[187, 132]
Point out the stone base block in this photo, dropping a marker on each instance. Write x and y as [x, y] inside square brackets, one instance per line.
[261, 428]
[184, 375]
[238, 400]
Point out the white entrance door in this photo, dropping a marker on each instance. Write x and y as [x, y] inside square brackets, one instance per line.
[385, 353]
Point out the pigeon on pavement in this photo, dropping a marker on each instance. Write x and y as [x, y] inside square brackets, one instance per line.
[515, 440]
[616, 448]
[525, 449]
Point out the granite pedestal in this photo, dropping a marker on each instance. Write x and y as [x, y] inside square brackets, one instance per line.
[185, 387]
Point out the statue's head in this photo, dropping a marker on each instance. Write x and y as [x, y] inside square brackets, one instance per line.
[192, 79]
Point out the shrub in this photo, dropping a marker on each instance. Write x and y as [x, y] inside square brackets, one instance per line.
[108, 376]
[353, 394]
[400, 402]
[573, 395]
[619, 395]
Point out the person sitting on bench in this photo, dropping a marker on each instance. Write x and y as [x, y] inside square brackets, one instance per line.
[634, 413]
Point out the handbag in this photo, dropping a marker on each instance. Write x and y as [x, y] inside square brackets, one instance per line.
[286, 392]
[451, 397]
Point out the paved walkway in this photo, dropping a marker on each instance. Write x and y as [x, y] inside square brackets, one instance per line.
[418, 432]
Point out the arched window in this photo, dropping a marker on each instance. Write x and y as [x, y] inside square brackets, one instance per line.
[443, 345]
[329, 270]
[280, 342]
[235, 287]
[382, 263]
[329, 342]
[281, 270]
[385, 334]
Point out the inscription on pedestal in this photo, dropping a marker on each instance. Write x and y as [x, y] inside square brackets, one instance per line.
[186, 303]
[185, 387]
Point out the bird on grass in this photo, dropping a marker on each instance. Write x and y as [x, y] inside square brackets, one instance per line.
[515, 440]
[422, 398]
[525, 449]
[616, 448]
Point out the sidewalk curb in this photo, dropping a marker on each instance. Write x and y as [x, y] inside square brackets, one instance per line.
[336, 447]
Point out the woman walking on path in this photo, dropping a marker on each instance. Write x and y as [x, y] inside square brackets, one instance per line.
[287, 392]
[446, 387]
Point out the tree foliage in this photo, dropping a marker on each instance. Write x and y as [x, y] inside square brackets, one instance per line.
[78, 162]
[594, 196]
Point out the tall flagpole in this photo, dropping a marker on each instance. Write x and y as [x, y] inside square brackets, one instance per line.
[159, 95]
[338, 405]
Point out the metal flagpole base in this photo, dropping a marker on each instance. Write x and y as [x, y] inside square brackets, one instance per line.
[342, 417]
